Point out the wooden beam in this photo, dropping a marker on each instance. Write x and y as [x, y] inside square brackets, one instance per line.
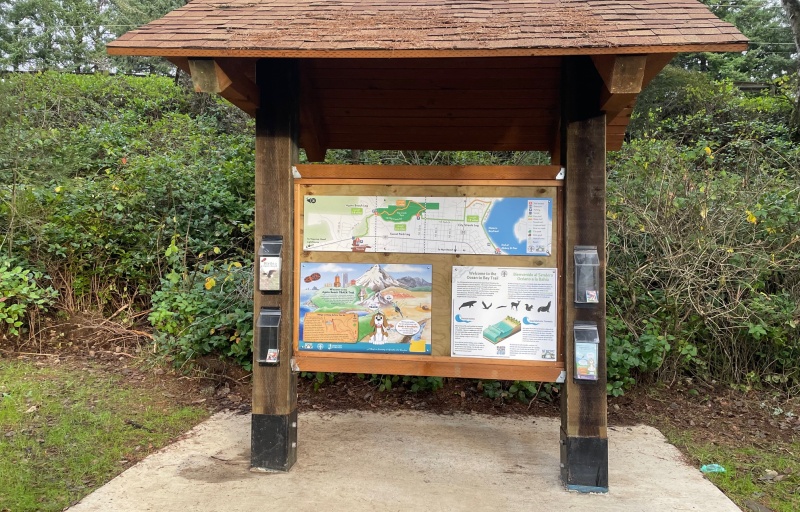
[618, 107]
[274, 418]
[555, 146]
[241, 87]
[432, 366]
[313, 134]
[225, 77]
[181, 63]
[224, 50]
[613, 104]
[584, 436]
[622, 74]
[428, 173]
[622, 79]
[207, 76]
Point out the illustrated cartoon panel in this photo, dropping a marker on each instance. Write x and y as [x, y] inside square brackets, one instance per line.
[355, 307]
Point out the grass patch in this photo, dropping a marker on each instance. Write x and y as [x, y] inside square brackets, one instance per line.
[749, 469]
[68, 431]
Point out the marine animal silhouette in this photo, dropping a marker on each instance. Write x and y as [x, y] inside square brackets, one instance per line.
[545, 309]
[468, 304]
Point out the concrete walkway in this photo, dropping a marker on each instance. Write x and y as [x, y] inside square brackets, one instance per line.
[405, 461]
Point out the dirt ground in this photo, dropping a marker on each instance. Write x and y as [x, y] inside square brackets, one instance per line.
[714, 413]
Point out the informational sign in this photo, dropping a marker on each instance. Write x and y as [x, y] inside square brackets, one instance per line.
[356, 307]
[504, 312]
[429, 225]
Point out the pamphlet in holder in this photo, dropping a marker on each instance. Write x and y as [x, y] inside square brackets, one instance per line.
[587, 274]
[587, 343]
[269, 322]
[269, 264]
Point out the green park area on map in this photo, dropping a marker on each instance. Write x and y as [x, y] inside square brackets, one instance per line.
[404, 213]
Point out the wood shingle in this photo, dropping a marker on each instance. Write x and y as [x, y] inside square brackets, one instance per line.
[433, 28]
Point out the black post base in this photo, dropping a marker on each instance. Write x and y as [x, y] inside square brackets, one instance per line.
[273, 442]
[584, 463]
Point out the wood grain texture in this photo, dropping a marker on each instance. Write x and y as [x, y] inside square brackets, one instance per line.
[622, 74]
[275, 387]
[122, 49]
[433, 366]
[485, 174]
[583, 407]
[441, 265]
[313, 134]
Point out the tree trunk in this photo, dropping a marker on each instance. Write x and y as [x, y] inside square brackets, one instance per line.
[792, 9]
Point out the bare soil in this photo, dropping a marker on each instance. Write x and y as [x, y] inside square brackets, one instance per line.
[714, 413]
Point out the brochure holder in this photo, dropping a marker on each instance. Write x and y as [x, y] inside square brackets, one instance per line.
[269, 322]
[587, 274]
[587, 343]
[269, 264]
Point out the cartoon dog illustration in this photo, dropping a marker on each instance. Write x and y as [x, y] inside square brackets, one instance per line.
[380, 329]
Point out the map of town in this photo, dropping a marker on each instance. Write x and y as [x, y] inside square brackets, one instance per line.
[428, 225]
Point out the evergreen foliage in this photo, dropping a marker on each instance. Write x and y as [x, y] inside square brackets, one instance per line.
[131, 192]
[772, 48]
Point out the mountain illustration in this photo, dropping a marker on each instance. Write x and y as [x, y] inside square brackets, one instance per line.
[413, 282]
[377, 279]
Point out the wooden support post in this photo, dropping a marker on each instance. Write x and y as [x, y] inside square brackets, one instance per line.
[584, 438]
[274, 420]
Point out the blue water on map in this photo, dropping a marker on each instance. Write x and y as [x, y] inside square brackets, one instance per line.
[500, 224]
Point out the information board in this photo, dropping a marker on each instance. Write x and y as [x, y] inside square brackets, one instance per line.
[504, 312]
[381, 272]
[520, 226]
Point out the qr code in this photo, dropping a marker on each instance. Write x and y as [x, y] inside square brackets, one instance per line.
[501, 351]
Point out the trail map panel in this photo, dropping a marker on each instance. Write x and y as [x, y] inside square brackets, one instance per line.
[504, 313]
[357, 307]
[515, 226]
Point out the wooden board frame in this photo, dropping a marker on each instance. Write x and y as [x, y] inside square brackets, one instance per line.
[528, 181]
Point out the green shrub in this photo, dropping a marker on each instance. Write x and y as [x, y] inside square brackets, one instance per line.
[524, 391]
[703, 266]
[102, 172]
[205, 311]
[23, 294]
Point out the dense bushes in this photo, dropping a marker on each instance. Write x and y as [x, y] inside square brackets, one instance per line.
[145, 164]
[134, 191]
[23, 294]
[205, 311]
[704, 267]
[704, 240]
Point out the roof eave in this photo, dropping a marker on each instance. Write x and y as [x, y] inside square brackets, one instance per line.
[121, 48]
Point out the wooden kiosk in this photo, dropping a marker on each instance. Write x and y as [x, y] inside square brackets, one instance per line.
[559, 76]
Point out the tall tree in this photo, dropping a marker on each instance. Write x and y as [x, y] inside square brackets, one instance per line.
[792, 8]
[53, 34]
[771, 52]
[127, 15]
[70, 35]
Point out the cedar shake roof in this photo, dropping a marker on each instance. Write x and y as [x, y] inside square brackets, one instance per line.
[430, 28]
